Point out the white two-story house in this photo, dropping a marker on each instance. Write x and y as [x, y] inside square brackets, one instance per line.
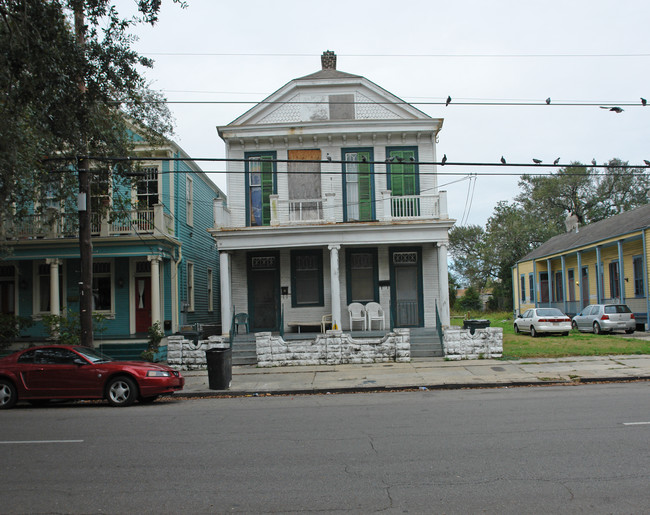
[332, 199]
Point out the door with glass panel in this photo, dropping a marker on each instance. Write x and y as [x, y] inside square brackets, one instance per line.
[406, 288]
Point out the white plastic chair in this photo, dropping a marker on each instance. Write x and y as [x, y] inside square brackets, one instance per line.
[375, 314]
[357, 314]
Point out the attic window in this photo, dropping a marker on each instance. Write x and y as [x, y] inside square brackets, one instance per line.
[341, 107]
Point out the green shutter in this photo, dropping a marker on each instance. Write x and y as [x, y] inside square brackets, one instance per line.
[365, 187]
[403, 176]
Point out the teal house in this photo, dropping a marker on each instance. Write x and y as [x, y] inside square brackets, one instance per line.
[153, 258]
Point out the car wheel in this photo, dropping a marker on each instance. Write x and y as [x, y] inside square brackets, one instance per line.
[565, 334]
[629, 331]
[516, 329]
[8, 394]
[148, 400]
[121, 391]
[597, 328]
[533, 332]
[574, 325]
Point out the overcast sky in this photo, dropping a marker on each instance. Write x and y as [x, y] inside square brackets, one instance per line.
[589, 51]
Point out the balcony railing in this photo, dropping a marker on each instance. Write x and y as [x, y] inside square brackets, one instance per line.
[111, 223]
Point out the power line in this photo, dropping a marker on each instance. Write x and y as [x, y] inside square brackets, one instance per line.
[441, 55]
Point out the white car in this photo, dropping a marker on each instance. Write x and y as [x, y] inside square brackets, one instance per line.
[543, 320]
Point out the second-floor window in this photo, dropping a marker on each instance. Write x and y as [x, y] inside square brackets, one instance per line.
[358, 187]
[402, 171]
[260, 171]
[147, 189]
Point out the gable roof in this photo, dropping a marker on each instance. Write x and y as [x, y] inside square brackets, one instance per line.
[619, 225]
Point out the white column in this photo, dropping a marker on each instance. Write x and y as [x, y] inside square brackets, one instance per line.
[155, 290]
[335, 285]
[55, 306]
[443, 281]
[226, 293]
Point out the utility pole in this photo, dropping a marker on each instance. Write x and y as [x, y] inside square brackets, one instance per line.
[85, 241]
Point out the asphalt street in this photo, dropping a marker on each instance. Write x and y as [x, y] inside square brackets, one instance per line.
[544, 449]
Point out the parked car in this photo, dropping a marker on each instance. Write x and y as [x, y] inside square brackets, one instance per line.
[604, 318]
[543, 320]
[50, 372]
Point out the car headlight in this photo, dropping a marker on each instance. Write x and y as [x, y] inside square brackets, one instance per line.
[158, 373]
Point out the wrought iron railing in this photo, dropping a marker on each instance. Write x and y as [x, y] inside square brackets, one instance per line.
[441, 334]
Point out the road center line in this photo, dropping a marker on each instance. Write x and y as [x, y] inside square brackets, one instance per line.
[636, 423]
[9, 442]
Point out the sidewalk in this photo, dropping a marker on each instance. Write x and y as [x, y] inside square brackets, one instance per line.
[434, 373]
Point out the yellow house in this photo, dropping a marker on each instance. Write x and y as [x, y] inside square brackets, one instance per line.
[603, 262]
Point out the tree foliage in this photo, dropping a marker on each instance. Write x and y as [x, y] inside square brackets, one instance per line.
[484, 257]
[60, 98]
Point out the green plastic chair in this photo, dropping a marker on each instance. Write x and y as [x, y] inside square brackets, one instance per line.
[241, 319]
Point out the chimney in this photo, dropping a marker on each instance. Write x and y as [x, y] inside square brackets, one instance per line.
[328, 60]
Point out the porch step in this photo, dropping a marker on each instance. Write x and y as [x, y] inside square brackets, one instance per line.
[244, 350]
[425, 343]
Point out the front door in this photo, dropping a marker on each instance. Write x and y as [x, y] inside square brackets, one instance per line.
[584, 285]
[264, 291]
[142, 304]
[406, 291]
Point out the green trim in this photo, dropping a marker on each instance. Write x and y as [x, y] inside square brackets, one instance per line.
[268, 185]
[318, 254]
[348, 273]
[366, 181]
[393, 288]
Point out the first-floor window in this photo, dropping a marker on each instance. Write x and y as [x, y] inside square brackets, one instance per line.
[102, 286]
[7, 290]
[531, 287]
[362, 275]
[523, 288]
[190, 286]
[637, 264]
[307, 278]
[210, 295]
[558, 290]
[571, 285]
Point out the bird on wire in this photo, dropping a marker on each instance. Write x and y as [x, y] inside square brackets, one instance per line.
[614, 109]
[556, 161]
[537, 161]
[643, 101]
[329, 158]
[503, 160]
[444, 160]
[646, 162]
[548, 100]
[448, 100]
[593, 162]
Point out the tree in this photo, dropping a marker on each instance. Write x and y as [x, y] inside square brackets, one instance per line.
[471, 301]
[71, 88]
[484, 257]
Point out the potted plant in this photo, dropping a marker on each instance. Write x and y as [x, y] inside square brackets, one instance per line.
[156, 335]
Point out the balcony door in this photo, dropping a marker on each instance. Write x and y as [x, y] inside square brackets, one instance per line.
[358, 185]
[305, 197]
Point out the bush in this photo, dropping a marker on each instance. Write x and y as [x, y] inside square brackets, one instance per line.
[470, 301]
[11, 327]
[155, 337]
[66, 330]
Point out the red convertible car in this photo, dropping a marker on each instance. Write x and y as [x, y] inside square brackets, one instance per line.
[72, 372]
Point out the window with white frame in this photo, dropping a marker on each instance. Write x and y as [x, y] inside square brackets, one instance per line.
[189, 198]
[637, 265]
[147, 187]
[190, 286]
[210, 291]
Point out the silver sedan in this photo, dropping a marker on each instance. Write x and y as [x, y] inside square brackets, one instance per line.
[543, 320]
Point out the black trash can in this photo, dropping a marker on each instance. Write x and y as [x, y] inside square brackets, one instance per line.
[219, 368]
[472, 325]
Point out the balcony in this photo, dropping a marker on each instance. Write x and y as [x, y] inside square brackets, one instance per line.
[329, 209]
[112, 223]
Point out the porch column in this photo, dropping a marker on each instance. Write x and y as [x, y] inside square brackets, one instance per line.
[55, 306]
[549, 275]
[582, 301]
[226, 294]
[599, 286]
[335, 285]
[621, 275]
[155, 289]
[443, 280]
[565, 289]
